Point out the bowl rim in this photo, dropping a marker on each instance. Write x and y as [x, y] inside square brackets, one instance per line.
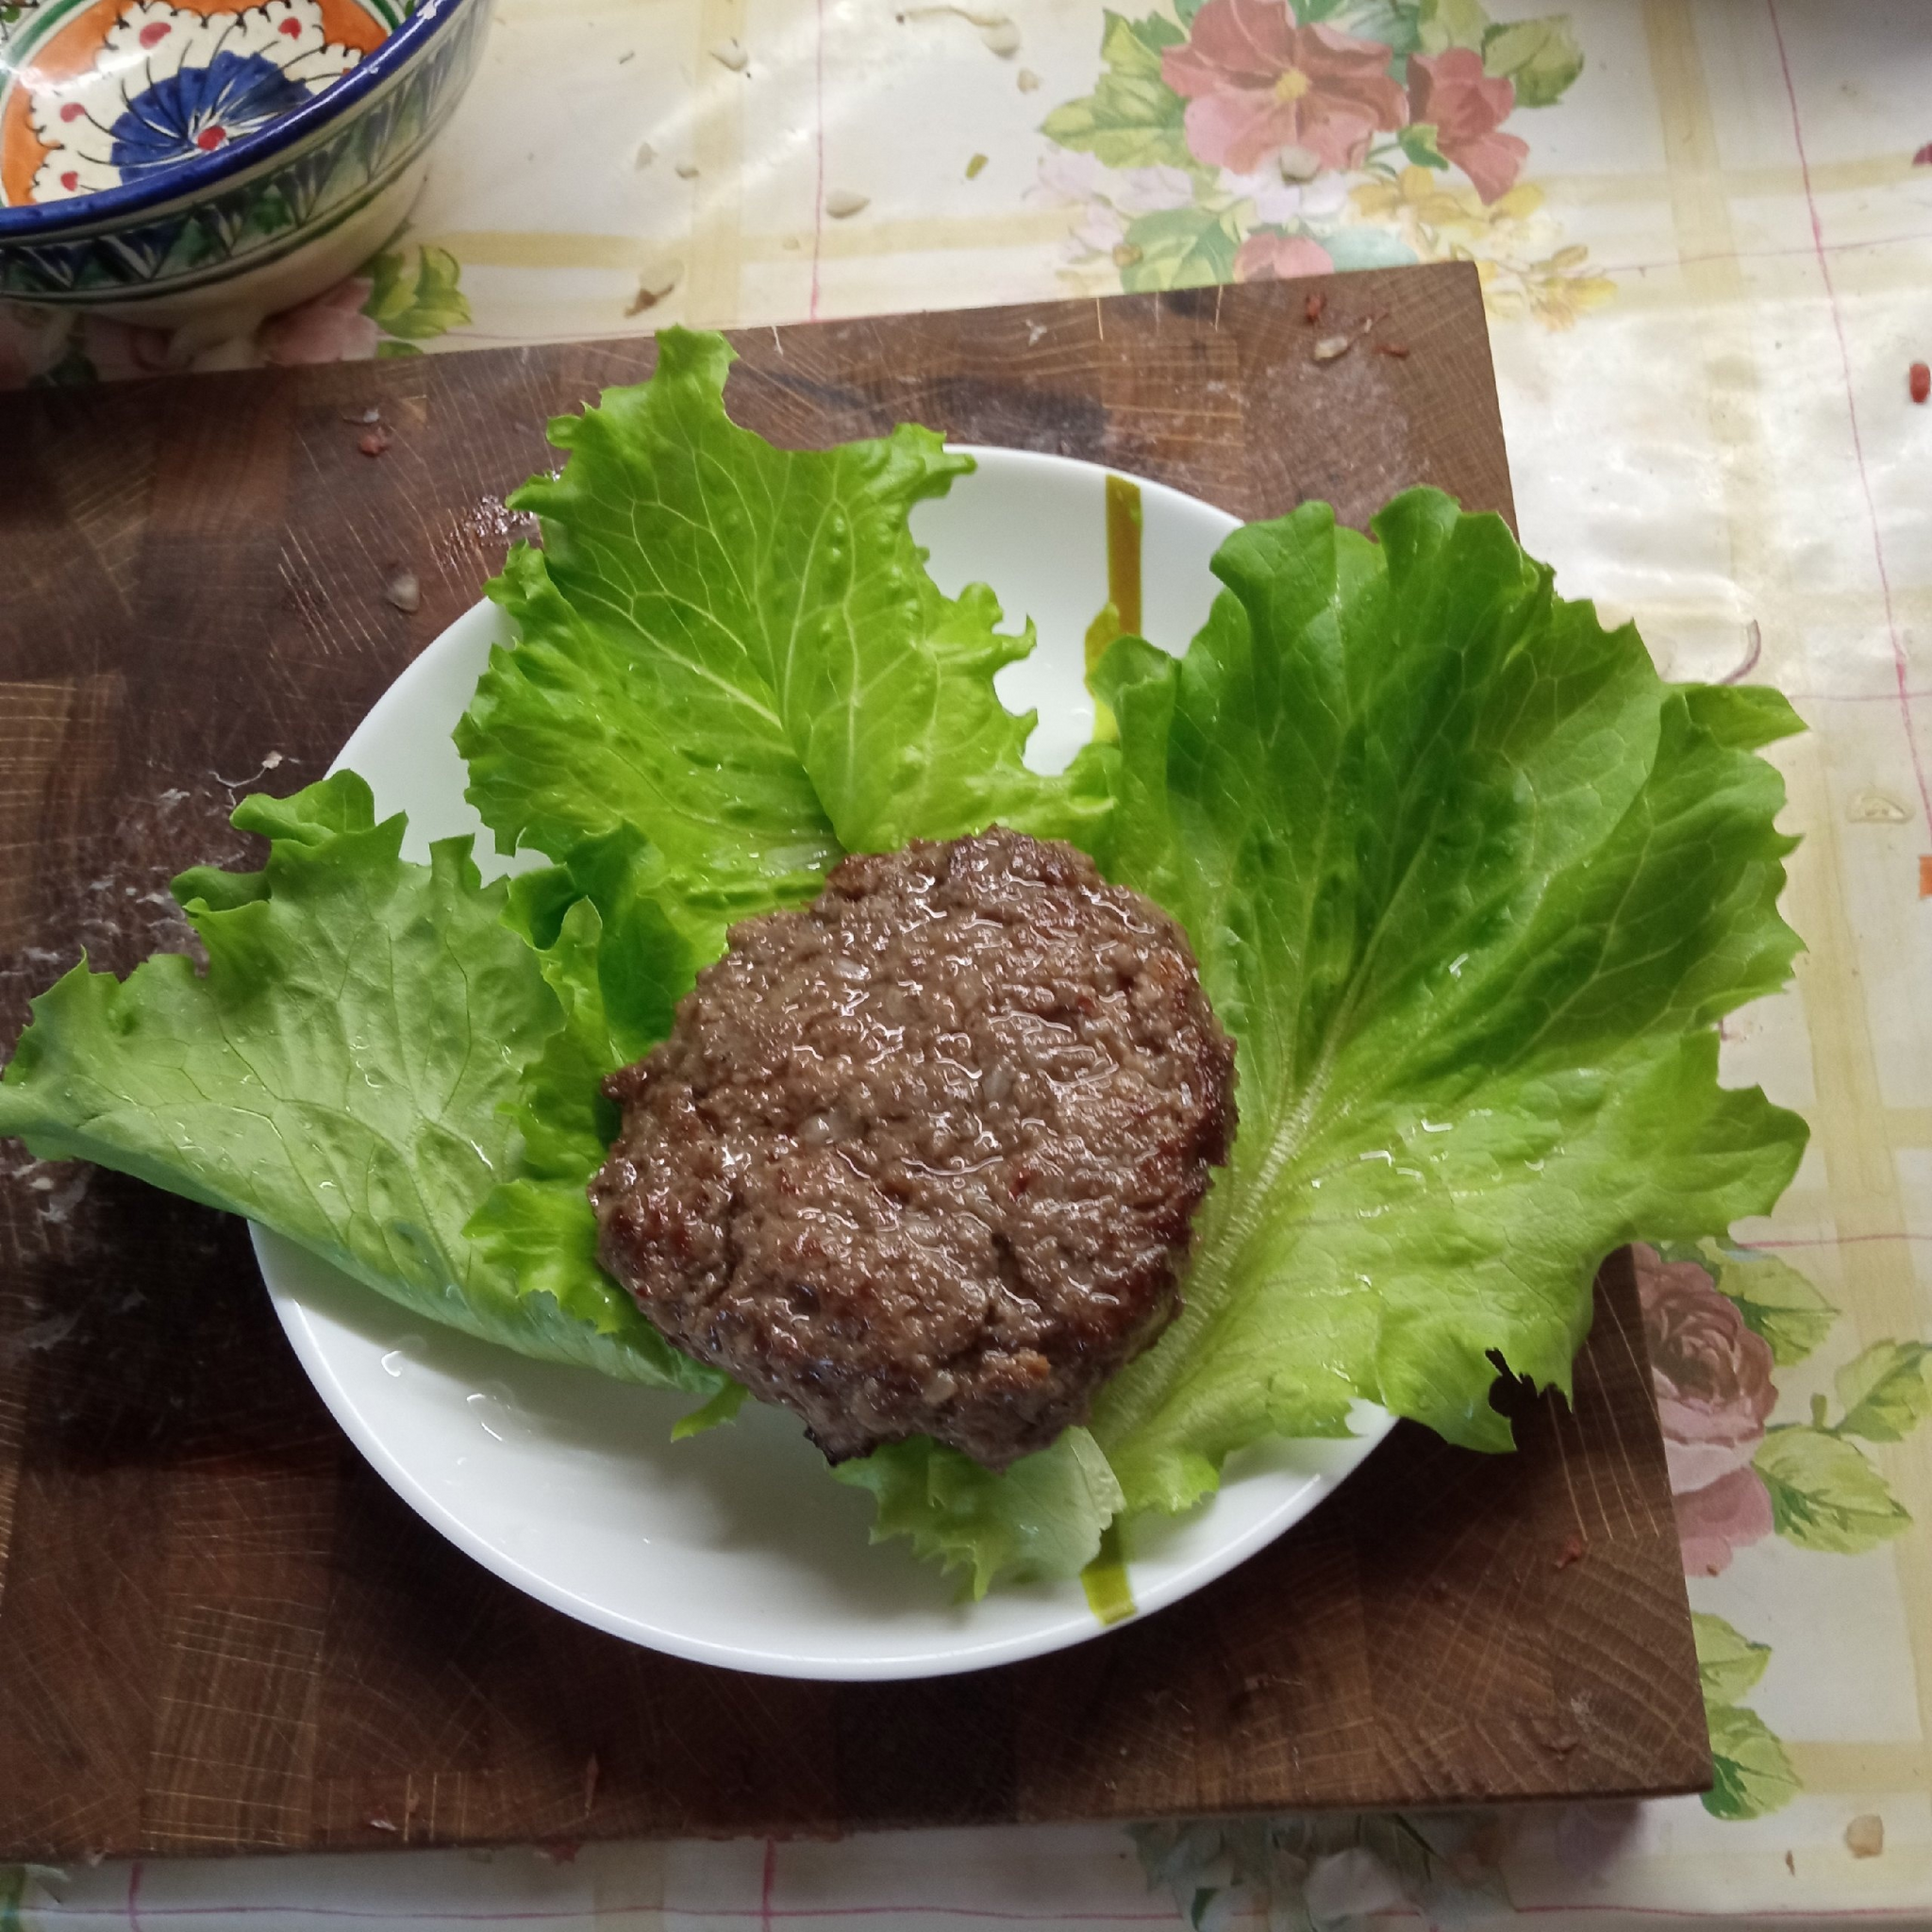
[188, 180]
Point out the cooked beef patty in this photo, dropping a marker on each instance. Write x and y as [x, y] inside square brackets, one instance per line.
[921, 1158]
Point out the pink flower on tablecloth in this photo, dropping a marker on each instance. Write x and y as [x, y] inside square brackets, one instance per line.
[123, 351]
[1257, 85]
[1711, 1376]
[1728, 1515]
[1466, 107]
[1280, 258]
[331, 328]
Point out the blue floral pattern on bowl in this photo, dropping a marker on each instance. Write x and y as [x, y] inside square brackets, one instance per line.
[166, 85]
[195, 111]
[185, 145]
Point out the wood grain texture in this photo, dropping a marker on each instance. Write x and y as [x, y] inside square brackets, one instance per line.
[218, 1631]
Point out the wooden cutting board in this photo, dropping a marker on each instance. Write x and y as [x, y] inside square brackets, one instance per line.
[218, 1628]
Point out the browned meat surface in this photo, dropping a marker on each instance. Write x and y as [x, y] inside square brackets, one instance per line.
[921, 1158]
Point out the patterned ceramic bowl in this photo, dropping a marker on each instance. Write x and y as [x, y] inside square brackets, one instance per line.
[198, 164]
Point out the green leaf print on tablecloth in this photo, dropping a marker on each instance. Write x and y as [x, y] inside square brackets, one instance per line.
[1132, 119]
[1444, 24]
[1751, 1775]
[1397, 23]
[1775, 1301]
[1250, 140]
[1826, 1492]
[1538, 57]
[1885, 1392]
[1419, 144]
[1728, 1663]
[1177, 248]
[1825, 1495]
[414, 296]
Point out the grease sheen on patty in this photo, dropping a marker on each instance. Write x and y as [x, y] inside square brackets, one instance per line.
[921, 1158]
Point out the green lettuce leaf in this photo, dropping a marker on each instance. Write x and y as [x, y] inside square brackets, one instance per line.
[736, 651]
[617, 965]
[340, 1072]
[1470, 887]
[1044, 1518]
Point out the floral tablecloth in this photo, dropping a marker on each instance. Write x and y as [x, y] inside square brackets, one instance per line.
[1705, 233]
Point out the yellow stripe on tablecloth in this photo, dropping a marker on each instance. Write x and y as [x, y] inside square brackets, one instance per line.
[542, 249]
[1867, 1767]
[942, 235]
[1605, 189]
[1787, 273]
[1796, 607]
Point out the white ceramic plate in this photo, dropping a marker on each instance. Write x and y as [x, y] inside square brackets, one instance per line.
[735, 1548]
